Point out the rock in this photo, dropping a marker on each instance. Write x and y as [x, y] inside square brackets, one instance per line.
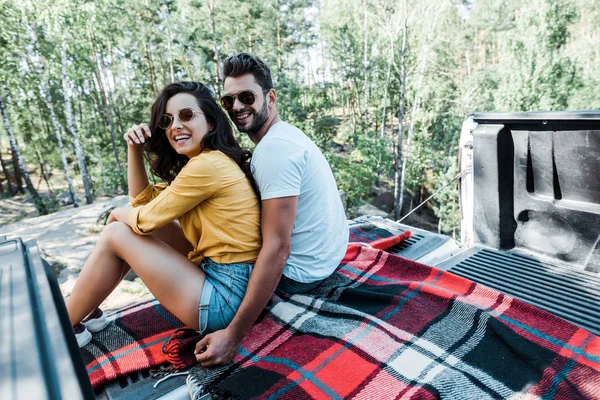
[369, 209]
[343, 198]
[64, 199]
[385, 201]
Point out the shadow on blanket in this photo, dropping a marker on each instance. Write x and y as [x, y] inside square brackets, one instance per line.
[383, 327]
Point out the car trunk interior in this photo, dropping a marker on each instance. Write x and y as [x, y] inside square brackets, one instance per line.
[536, 211]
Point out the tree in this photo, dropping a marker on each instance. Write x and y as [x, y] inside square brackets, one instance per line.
[39, 203]
[87, 181]
[399, 188]
[37, 66]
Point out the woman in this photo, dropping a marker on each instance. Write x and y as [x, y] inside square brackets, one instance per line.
[198, 268]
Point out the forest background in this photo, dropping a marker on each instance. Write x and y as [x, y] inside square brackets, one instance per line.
[381, 86]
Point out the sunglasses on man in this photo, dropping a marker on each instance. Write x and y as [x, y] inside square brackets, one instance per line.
[184, 115]
[246, 97]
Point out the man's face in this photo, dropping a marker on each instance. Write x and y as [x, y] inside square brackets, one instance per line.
[247, 118]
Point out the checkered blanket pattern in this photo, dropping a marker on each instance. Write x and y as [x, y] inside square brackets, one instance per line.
[131, 342]
[383, 327]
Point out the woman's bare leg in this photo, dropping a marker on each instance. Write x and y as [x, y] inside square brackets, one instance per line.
[174, 280]
[171, 234]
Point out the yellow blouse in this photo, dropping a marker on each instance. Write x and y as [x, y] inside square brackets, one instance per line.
[215, 205]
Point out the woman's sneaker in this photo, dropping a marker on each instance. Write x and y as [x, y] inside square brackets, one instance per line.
[82, 335]
[96, 321]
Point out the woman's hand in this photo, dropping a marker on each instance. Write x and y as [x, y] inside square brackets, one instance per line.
[120, 214]
[137, 134]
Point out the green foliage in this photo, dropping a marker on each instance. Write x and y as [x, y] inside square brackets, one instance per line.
[324, 130]
[357, 172]
[354, 178]
[445, 204]
[46, 204]
[330, 63]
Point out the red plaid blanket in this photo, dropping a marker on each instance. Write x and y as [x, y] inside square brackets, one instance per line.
[383, 327]
[131, 342]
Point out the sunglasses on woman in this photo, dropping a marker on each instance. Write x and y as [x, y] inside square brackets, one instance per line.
[184, 115]
[246, 97]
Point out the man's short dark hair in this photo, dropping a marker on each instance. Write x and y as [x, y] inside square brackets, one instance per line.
[244, 63]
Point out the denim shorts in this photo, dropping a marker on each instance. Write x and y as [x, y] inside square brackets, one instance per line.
[222, 294]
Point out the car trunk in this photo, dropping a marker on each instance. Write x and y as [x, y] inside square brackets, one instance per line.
[531, 210]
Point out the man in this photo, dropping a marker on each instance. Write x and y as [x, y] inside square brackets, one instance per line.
[304, 228]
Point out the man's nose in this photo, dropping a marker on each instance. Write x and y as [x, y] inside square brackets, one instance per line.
[238, 105]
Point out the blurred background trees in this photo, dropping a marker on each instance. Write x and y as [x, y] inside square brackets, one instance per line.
[358, 76]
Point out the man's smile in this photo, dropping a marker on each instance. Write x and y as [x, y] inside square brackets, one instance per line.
[243, 116]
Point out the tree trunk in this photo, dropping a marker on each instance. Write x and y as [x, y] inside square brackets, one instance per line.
[278, 37]
[216, 58]
[309, 70]
[42, 167]
[38, 67]
[150, 69]
[249, 23]
[102, 171]
[387, 84]
[186, 66]
[169, 49]
[366, 65]
[57, 131]
[115, 103]
[4, 171]
[87, 181]
[399, 188]
[17, 173]
[106, 108]
[109, 98]
[416, 104]
[39, 204]
[11, 190]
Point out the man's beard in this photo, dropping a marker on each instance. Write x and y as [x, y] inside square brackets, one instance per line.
[260, 119]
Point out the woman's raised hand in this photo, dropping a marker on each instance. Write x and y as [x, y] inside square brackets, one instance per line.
[137, 134]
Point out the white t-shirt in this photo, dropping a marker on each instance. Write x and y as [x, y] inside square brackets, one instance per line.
[287, 163]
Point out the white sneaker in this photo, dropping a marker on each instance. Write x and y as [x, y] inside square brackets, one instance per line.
[82, 335]
[96, 321]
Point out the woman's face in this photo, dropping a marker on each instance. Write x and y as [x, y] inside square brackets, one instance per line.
[185, 137]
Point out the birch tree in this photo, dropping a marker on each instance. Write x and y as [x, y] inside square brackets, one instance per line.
[39, 203]
[415, 107]
[216, 58]
[37, 66]
[6, 176]
[87, 181]
[105, 104]
[399, 170]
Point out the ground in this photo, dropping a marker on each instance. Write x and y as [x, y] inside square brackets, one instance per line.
[66, 239]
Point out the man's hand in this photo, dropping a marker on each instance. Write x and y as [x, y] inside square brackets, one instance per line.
[217, 348]
[277, 221]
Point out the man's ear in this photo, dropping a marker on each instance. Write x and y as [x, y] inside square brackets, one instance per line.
[272, 96]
